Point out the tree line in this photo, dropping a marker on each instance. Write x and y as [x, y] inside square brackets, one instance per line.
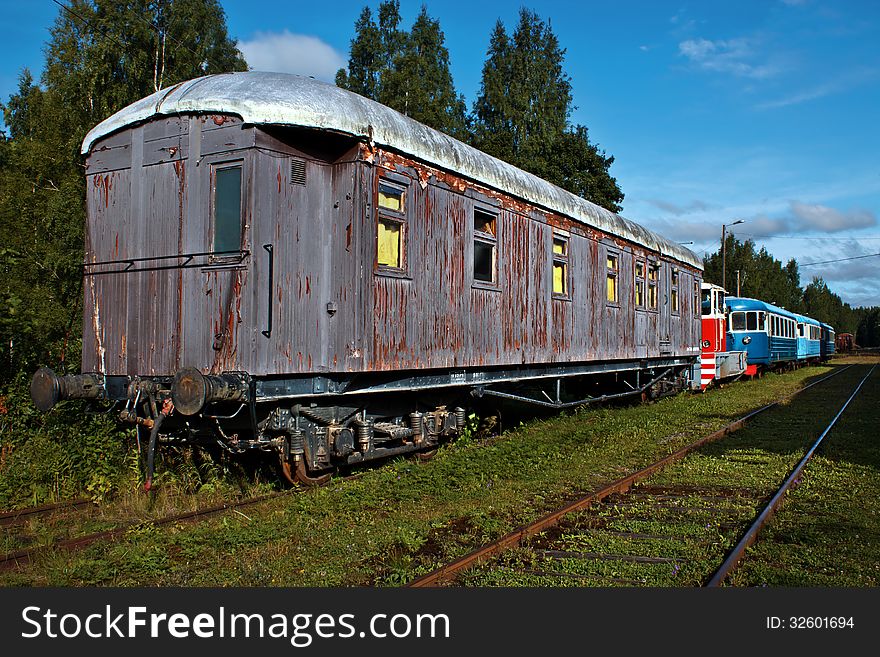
[521, 114]
[763, 277]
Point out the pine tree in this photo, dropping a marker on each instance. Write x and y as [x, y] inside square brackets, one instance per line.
[521, 114]
[365, 60]
[419, 83]
[407, 71]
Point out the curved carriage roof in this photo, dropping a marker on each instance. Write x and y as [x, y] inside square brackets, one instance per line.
[803, 319]
[285, 99]
[745, 303]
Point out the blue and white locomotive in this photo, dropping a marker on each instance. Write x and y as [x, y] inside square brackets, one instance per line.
[773, 337]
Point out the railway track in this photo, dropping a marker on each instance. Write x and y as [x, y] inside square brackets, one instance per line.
[616, 534]
[736, 555]
[25, 556]
[18, 517]
[20, 557]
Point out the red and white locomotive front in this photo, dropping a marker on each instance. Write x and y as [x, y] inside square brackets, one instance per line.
[716, 362]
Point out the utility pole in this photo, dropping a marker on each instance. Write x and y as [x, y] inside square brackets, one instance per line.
[724, 252]
[737, 282]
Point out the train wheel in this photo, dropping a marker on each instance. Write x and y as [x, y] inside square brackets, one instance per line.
[427, 454]
[300, 475]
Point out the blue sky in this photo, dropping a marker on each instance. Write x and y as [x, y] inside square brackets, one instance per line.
[763, 110]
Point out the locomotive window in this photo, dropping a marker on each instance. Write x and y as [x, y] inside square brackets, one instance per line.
[227, 209]
[611, 278]
[706, 303]
[391, 228]
[761, 317]
[738, 321]
[560, 266]
[485, 243]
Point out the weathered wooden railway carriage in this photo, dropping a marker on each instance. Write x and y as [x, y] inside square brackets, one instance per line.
[276, 249]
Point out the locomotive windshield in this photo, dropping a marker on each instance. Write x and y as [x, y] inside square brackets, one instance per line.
[706, 302]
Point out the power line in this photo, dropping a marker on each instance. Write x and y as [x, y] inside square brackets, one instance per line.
[828, 262]
[124, 45]
[88, 23]
[801, 237]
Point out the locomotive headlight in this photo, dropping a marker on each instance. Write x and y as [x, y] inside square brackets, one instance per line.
[747, 340]
[706, 344]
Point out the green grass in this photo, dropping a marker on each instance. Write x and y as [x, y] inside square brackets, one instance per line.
[403, 519]
[828, 530]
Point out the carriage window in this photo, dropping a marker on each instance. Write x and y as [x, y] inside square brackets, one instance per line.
[761, 318]
[485, 243]
[640, 285]
[737, 321]
[696, 299]
[389, 243]
[673, 290]
[560, 266]
[611, 278]
[390, 197]
[391, 226]
[752, 321]
[653, 270]
[227, 209]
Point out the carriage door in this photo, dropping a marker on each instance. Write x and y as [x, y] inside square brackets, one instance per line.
[664, 323]
[215, 308]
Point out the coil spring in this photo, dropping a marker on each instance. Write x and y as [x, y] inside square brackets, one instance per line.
[297, 445]
[460, 417]
[364, 434]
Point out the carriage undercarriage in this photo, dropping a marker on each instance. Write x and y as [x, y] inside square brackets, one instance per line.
[344, 421]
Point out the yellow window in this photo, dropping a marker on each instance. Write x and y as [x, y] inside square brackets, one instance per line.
[640, 269]
[611, 288]
[559, 247]
[560, 278]
[640, 293]
[673, 297]
[652, 296]
[390, 198]
[611, 262]
[389, 244]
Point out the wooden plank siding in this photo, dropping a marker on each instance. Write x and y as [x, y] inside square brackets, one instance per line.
[149, 195]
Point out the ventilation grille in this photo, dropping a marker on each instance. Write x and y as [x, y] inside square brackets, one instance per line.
[297, 171]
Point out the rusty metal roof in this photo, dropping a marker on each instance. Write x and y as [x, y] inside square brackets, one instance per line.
[285, 99]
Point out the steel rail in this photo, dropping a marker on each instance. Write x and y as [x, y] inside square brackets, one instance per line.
[621, 485]
[19, 557]
[12, 559]
[21, 516]
[751, 535]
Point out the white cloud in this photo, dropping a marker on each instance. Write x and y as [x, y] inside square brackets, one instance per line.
[678, 210]
[285, 52]
[734, 56]
[821, 217]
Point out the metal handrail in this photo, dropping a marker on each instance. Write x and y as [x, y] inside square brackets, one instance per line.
[234, 258]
